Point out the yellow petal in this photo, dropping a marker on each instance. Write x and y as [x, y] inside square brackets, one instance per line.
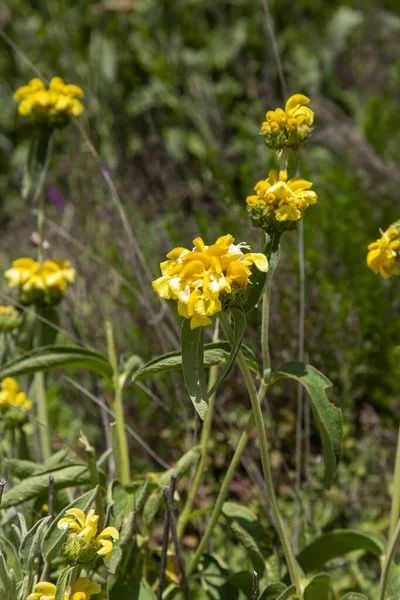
[106, 549]
[258, 259]
[295, 101]
[288, 212]
[199, 321]
[86, 586]
[109, 532]
[161, 286]
[297, 183]
[45, 587]
[78, 515]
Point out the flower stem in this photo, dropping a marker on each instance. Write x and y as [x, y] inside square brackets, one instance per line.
[394, 540]
[223, 492]
[265, 458]
[41, 399]
[205, 435]
[265, 338]
[395, 510]
[123, 458]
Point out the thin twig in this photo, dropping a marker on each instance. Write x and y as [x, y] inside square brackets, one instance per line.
[164, 551]
[169, 498]
[255, 586]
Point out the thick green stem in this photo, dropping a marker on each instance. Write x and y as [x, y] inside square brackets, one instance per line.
[41, 400]
[265, 458]
[394, 540]
[123, 455]
[265, 337]
[205, 436]
[395, 510]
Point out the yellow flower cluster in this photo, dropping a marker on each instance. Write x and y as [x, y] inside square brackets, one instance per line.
[11, 396]
[289, 128]
[82, 589]
[384, 255]
[279, 202]
[207, 278]
[83, 541]
[53, 106]
[40, 284]
[10, 318]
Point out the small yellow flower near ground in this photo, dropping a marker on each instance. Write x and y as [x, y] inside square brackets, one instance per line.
[207, 279]
[279, 203]
[384, 255]
[40, 284]
[82, 589]
[53, 106]
[289, 128]
[84, 543]
[11, 396]
[10, 319]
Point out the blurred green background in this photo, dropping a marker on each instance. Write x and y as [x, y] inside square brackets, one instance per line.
[175, 92]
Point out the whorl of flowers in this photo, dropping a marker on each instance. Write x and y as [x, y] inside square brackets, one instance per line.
[10, 319]
[84, 543]
[53, 106]
[40, 284]
[384, 255]
[10, 396]
[82, 589]
[279, 202]
[207, 279]
[289, 128]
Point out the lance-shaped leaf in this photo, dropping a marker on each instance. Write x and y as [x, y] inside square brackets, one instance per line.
[32, 487]
[192, 342]
[318, 588]
[215, 353]
[57, 357]
[278, 591]
[248, 530]
[239, 326]
[37, 163]
[328, 417]
[260, 282]
[337, 544]
[62, 583]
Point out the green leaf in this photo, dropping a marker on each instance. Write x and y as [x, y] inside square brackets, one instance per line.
[248, 530]
[192, 342]
[336, 544]
[327, 416]
[243, 581]
[273, 591]
[37, 164]
[30, 545]
[8, 585]
[318, 588]
[62, 582]
[354, 596]
[260, 282]
[57, 357]
[67, 476]
[25, 468]
[215, 353]
[54, 537]
[239, 326]
[129, 586]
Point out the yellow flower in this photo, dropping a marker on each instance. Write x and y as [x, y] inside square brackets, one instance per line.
[11, 396]
[84, 542]
[82, 589]
[43, 285]
[290, 127]
[205, 278]
[10, 318]
[384, 254]
[53, 106]
[279, 202]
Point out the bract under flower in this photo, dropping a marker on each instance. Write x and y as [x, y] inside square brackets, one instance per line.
[279, 203]
[289, 128]
[204, 278]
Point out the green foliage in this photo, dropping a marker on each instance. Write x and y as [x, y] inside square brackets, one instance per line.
[193, 366]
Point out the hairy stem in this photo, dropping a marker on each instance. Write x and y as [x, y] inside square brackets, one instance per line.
[41, 400]
[394, 540]
[265, 458]
[123, 451]
[395, 510]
